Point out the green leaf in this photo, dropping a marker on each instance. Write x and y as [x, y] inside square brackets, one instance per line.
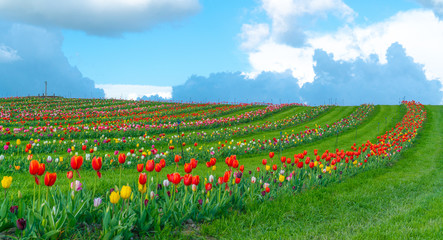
[50, 234]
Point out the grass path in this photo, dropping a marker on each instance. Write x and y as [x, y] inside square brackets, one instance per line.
[402, 201]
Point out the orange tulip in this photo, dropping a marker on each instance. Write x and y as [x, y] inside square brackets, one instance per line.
[121, 158]
[33, 167]
[41, 169]
[50, 178]
[76, 162]
[196, 180]
[177, 158]
[176, 178]
[188, 167]
[194, 163]
[150, 165]
[97, 163]
[158, 167]
[140, 167]
[187, 179]
[142, 178]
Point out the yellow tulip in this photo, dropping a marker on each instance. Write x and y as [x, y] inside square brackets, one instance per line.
[6, 182]
[328, 169]
[213, 168]
[142, 188]
[18, 142]
[268, 167]
[281, 178]
[114, 197]
[126, 192]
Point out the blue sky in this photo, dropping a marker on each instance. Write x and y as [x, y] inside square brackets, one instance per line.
[132, 48]
[204, 43]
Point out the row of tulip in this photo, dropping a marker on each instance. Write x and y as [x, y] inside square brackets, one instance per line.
[100, 128]
[162, 140]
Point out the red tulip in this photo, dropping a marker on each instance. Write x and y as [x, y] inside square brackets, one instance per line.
[176, 178]
[315, 152]
[140, 167]
[196, 180]
[69, 175]
[311, 164]
[76, 162]
[271, 154]
[235, 164]
[264, 161]
[84, 147]
[150, 165]
[41, 169]
[97, 163]
[274, 167]
[242, 167]
[220, 180]
[121, 158]
[288, 160]
[188, 167]
[187, 179]
[300, 164]
[33, 167]
[50, 178]
[208, 186]
[237, 180]
[226, 176]
[162, 163]
[267, 189]
[194, 163]
[177, 158]
[283, 159]
[142, 178]
[158, 167]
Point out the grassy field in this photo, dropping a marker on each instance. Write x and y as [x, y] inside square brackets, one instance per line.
[400, 201]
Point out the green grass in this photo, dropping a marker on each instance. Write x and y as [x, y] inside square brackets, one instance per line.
[402, 201]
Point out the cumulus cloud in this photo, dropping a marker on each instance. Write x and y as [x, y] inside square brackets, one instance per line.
[38, 58]
[336, 81]
[420, 32]
[253, 35]
[134, 92]
[286, 16]
[98, 17]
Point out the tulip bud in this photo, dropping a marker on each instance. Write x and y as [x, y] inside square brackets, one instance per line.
[21, 223]
[166, 183]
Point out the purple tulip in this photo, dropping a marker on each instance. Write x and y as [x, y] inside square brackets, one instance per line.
[21, 223]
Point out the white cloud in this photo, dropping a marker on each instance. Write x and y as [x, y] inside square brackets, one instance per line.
[420, 32]
[133, 92]
[275, 57]
[253, 35]
[284, 13]
[8, 54]
[98, 17]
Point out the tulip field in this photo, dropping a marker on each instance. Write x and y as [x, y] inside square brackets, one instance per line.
[118, 169]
